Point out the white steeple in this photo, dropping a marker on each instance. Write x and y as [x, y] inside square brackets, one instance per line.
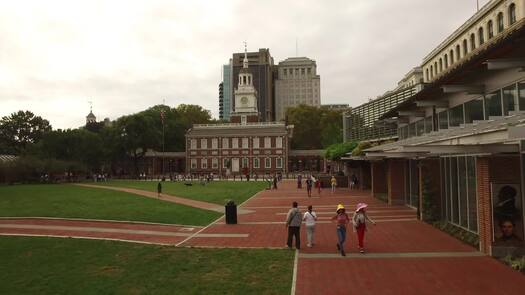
[245, 94]
[245, 60]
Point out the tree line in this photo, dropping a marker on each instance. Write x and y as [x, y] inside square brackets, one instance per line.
[96, 147]
[101, 147]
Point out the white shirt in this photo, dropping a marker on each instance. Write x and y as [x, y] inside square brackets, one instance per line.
[309, 218]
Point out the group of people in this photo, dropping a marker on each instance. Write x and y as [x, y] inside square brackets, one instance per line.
[359, 221]
[311, 181]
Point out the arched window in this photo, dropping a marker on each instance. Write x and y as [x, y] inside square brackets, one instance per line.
[458, 52]
[426, 75]
[501, 26]
[440, 65]
[472, 41]
[490, 29]
[446, 61]
[465, 47]
[431, 72]
[481, 38]
[436, 68]
[512, 14]
[451, 56]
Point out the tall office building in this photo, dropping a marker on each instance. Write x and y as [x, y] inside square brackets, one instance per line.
[221, 100]
[297, 83]
[226, 92]
[260, 65]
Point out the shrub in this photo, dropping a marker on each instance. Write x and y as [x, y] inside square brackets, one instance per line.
[517, 263]
[459, 233]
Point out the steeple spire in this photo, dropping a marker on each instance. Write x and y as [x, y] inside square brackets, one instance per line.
[245, 60]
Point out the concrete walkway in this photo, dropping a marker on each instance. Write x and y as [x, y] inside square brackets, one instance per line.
[164, 197]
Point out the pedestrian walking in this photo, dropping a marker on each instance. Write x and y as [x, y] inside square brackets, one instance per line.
[310, 217]
[359, 222]
[159, 190]
[275, 182]
[293, 223]
[309, 186]
[318, 185]
[353, 182]
[341, 220]
[299, 181]
[333, 182]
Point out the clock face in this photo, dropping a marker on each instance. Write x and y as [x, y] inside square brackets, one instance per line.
[244, 100]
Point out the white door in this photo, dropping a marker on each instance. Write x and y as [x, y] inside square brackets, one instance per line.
[235, 165]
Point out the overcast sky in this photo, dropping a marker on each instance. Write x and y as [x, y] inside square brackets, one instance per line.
[126, 56]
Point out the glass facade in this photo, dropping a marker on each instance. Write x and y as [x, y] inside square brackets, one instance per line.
[493, 105]
[443, 120]
[498, 103]
[455, 115]
[458, 176]
[510, 99]
[226, 88]
[473, 111]
[428, 124]
[521, 93]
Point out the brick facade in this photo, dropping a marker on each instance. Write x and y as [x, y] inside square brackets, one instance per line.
[396, 181]
[484, 204]
[379, 179]
[224, 149]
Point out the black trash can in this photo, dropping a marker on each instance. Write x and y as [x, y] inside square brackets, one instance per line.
[231, 212]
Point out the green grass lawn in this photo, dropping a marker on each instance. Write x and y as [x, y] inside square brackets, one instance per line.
[62, 200]
[75, 266]
[218, 192]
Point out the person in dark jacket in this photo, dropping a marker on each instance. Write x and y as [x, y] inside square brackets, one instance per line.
[294, 218]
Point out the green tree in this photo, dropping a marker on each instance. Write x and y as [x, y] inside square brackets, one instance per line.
[314, 128]
[19, 130]
[338, 150]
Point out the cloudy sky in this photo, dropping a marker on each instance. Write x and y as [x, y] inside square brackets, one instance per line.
[126, 56]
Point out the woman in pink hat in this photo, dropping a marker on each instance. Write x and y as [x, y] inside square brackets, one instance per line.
[359, 221]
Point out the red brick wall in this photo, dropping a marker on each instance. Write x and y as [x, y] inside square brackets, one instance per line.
[379, 183]
[396, 181]
[484, 204]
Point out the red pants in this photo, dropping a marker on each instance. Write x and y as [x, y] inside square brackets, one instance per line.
[361, 235]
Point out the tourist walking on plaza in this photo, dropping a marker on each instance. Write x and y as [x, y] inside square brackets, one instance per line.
[333, 182]
[299, 181]
[310, 217]
[293, 223]
[275, 182]
[353, 182]
[341, 220]
[318, 185]
[309, 183]
[359, 221]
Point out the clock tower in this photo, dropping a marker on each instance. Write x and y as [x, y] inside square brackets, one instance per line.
[245, 109]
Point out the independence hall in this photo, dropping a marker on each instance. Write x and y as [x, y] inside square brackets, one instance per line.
[460, 149]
